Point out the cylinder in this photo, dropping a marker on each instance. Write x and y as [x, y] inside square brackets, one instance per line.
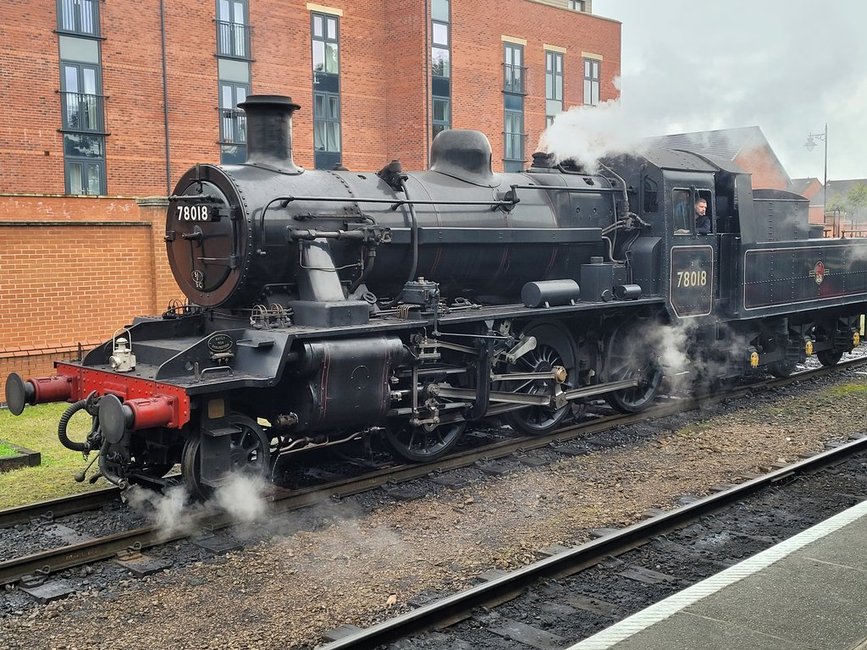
[550, 293]
[627, 291]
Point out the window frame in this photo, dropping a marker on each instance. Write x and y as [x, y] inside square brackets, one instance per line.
[228, 31]
[77, 18]
[438, 126]
[93, 129]
[326, 120]
[98, 98]
[325, 39]
[233, 149]
[552, 76]
[514, 148]
[592, 82]
[327, 124]
[440, 84]
[512, 82]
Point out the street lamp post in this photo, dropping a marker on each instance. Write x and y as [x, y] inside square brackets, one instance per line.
[810, 145]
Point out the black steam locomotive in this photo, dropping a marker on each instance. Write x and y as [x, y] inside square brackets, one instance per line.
[328, 306]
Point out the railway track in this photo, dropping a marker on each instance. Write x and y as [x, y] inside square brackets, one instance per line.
[51, 561]
[492, 593]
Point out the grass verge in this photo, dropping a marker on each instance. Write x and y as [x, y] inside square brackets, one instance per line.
[36, 429]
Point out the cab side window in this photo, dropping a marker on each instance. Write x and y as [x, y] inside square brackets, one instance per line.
[681, 212]
[707, 228]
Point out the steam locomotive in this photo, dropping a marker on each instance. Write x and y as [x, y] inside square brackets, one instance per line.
[332, 306]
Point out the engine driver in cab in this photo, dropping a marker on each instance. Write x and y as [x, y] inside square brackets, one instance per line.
[702, 220]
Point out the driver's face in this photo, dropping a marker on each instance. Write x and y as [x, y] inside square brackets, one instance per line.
[700, 208]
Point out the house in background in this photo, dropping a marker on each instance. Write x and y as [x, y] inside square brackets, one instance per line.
[746, 146]
[811, 188]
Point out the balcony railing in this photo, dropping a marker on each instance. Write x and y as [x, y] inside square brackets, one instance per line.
[82, 112]
[233, 39]
[513, 78]
[233, 126]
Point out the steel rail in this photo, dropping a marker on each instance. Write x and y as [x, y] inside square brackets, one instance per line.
[51, 508]
[461, 605]
[58, 559]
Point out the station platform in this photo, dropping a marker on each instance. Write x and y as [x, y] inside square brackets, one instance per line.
[809, 591]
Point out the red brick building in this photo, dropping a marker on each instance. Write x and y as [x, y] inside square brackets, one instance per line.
[119, 97]
[108, 102]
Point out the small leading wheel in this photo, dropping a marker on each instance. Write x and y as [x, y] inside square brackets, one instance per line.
[630, 356]
[553, 348]
[423, 443]
[249, 454]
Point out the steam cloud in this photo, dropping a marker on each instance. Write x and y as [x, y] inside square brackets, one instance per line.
[777, 64]
[171, 512]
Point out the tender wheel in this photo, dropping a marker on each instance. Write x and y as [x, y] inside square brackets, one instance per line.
[781, 369]
[629, 356]
[249, 454]
[829, 357]
[422, 444]
[553, 348]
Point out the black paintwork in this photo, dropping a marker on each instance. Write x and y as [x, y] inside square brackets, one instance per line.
[334, 303]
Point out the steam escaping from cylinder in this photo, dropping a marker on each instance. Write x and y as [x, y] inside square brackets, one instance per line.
[172, 513]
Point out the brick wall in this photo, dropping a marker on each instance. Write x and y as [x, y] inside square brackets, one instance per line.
[384, 81]
[478, 61]
[72, 270]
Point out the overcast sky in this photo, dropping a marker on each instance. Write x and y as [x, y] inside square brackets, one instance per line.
[787, 66]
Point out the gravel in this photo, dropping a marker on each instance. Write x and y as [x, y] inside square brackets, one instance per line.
[364, 559]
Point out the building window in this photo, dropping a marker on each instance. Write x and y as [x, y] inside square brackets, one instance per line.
[576, 5]
[78, 16]
[327, 148]
[233, 123]
[591, 82]
[83, 128]
[325, 44]
[84, 163]
[513, 103]
[233, 33]
[553, 85]
[440, 55]
[326, 129]
[513, 69]
[441, 114]
[440, 66]
[82, 100]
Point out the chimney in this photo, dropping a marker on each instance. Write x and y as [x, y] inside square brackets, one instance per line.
[269, 131]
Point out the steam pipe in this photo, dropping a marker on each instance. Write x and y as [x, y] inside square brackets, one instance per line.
[623, 185]
[414, 267]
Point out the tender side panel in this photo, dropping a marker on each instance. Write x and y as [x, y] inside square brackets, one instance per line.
[808, 274]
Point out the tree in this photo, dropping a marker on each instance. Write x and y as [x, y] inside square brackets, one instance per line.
[857, 200]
